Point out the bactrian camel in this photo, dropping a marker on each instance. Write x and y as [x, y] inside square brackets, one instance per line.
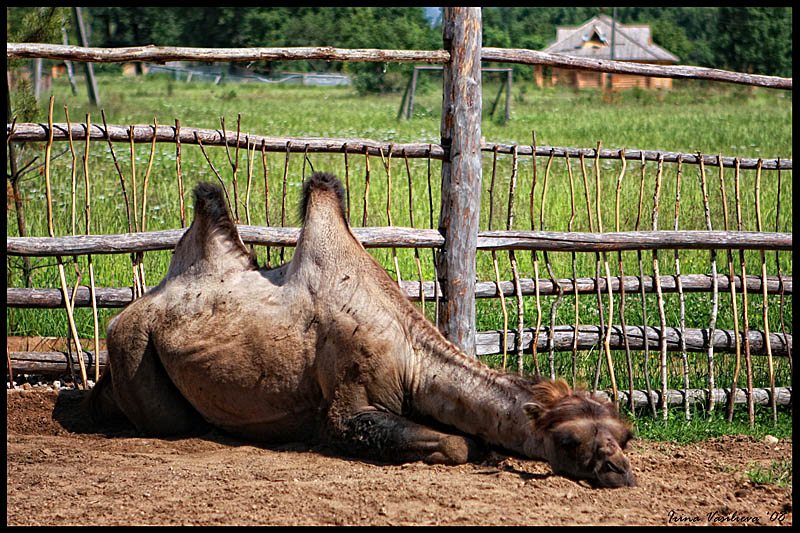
[327, 348]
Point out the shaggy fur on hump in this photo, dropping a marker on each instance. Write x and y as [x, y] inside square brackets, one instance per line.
[210, 204]
[322, 181]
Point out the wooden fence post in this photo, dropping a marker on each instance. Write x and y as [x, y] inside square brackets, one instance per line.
[461, 174]
[91, 82]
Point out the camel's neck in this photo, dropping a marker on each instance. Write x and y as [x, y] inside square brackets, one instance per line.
[466, 394]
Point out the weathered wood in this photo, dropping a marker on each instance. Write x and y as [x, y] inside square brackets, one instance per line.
[632, 154]
[459, 215]
[52, 363]
[590, 337]
[162, 54]
[401, 237]
[110, 297]
[143, 133]
[533, 57]
[783, 396]
[632, 240]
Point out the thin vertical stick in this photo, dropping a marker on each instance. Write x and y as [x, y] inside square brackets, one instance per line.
[645, 340]
[73, 168]
[732, 284]
[622, 321]
[746, 325]
[366, 186]
[51, 230]
[494, 263]
[347, 180]
[764, 301]
[133, 178]
[597, 265]
[574, 274]
[535, 259]
[411, 219]
[78, 272]
[250, 154]
[140, 255]
[89, 256]
[147, 175]
[266, 193]
[714, 297]
[119, 171]
[178, 170]
[679, 283]
[283, 197]
[555, 305]
[659, 294]
[387, 165]
[138, 289]
[514, 268]
[236, 167]
[234, 164]
[213, 168]
[778, 268]
[607, 335]
[433, 250]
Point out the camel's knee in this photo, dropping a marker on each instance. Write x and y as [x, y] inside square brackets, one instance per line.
[455, 450]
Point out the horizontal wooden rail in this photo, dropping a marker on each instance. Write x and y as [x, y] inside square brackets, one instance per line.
[162, 54]
[143, 133]
[591, 336]
[400, 237]
[110, 297]
[533, 57]
[783, 396]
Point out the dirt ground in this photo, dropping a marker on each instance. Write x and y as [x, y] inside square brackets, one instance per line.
[61, 470]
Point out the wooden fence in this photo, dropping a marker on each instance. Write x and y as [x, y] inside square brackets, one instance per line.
[458, 239]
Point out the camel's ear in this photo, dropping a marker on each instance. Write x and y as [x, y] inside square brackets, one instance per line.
[533, 410]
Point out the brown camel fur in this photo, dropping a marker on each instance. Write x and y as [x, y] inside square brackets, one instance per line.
[327, 348]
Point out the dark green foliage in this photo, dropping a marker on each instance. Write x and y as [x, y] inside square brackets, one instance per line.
[746, 39]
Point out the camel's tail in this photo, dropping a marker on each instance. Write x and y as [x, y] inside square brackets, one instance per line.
[212, 237]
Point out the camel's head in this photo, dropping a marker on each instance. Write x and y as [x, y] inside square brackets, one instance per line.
[583, 436]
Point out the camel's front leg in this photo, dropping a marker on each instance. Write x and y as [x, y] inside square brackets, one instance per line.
[387, 437]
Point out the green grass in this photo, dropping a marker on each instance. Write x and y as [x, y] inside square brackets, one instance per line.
[703, 425]
[777, 473]
[710, 118]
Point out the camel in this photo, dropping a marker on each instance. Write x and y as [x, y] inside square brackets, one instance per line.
[327, 348]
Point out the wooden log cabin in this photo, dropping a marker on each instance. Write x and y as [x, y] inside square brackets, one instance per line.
[593, 40]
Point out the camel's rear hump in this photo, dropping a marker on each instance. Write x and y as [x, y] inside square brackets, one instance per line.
[325, 183]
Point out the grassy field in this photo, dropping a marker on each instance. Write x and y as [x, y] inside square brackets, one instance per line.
[709, 118]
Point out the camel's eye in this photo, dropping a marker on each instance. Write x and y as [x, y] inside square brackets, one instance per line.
[566, 440]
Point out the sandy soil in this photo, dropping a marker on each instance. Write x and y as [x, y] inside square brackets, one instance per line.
[61, 470]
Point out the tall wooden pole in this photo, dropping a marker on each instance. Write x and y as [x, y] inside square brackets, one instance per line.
[91, 82]
[461, 174]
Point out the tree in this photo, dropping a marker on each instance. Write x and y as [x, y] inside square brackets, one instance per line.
[755, 39]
